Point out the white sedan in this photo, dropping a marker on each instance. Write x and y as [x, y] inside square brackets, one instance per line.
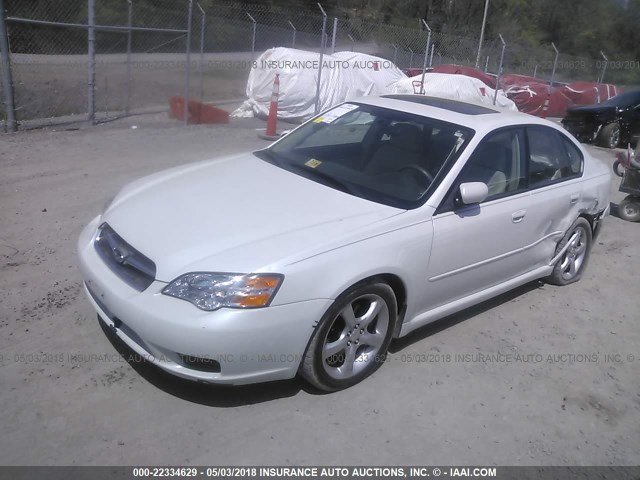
[308, 257]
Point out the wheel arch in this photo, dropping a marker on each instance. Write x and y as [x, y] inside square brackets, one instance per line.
[397, 284]
[393, 280]
[595, 221]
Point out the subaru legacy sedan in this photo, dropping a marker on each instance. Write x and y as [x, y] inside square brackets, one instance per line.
[366, 222]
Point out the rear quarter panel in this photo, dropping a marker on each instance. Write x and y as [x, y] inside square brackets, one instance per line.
[596, 185]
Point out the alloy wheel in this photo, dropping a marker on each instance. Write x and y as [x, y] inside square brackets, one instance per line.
[615, 137]
[574, 256]
[355, 337]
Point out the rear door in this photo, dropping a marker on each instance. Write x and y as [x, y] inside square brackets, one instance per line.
[555, 183]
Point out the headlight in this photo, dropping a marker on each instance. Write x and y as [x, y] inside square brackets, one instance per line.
[210, 291]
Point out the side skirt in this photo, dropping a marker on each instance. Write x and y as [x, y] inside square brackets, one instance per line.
[471, 300]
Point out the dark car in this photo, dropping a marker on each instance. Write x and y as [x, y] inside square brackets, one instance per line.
[609, 124]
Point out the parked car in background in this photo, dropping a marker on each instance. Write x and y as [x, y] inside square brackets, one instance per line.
[370, 220]
[612, 123]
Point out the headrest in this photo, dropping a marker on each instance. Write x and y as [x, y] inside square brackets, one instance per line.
[406, 136]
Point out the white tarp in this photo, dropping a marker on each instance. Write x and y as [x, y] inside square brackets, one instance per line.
[345, 75]
[454, 87]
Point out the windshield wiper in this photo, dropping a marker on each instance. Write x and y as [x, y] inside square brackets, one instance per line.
[336, 182]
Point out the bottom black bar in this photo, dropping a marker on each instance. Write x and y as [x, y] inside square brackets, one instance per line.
[321, 473]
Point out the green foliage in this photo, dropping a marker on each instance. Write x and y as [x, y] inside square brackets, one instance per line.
[579, 28]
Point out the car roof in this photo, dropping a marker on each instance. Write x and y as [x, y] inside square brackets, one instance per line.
[476, 116]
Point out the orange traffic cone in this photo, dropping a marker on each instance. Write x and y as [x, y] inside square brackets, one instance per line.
[270, 133]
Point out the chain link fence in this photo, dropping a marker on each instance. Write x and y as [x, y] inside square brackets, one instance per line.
[98, 59]
[128, 57]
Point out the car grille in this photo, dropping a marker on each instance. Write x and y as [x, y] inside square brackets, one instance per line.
[125, 261]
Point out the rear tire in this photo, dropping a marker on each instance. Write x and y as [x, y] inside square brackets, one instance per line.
[629, 209]
[570, 267]
[351, 340]
[609, 135]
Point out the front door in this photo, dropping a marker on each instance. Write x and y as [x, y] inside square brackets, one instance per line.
[478, 246]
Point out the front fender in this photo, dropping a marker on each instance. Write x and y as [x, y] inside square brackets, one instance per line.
[403, 252]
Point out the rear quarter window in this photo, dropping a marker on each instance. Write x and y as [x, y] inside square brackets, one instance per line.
[552, 157]
[576, 158]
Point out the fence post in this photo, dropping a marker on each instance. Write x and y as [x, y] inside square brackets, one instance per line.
[91, 67]
[203, 21]
[555, 63]
[333, 38]
[426, 55]
[7, 80]
[484, 23]
[495, 93]
[535, 70]
[395, 54]
[604, 67]
[129, 41]
[486, 65]
[293, 39]
[187, 86]
[322, 43]
[410, 57]
[433, 45]
[253, 37]
[353, 41]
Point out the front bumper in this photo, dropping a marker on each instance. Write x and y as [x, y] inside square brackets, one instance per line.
[582, 130]
[250, 345]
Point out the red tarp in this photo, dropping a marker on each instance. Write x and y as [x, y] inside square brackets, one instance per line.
[488, 80]
[529, 95]
[515, 79]
[588, 93]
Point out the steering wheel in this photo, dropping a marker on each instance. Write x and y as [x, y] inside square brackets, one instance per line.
[420, 170]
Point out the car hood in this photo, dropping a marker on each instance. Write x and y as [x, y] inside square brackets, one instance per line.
[239, 214]
[591, 110]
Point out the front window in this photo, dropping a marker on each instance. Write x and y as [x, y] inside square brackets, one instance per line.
[383, 155]
[500, 163]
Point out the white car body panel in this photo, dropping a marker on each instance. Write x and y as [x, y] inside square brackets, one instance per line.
[252, 216]
[242, 214]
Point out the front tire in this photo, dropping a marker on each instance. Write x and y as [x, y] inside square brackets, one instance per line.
[571, 265]
[629, 209]
[351, 340]
[609, 135]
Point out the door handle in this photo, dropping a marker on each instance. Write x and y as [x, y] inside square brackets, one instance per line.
[516, 217]
[574, 198]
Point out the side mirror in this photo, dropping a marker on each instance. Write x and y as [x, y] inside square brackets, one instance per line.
[473, 192]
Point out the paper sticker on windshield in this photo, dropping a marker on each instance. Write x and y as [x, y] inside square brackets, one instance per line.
[332, 115]
[313, 163]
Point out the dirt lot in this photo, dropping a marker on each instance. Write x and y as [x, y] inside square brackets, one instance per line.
[68, 398]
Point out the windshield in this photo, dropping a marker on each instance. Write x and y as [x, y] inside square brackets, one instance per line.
[628, 99]
[383, 155]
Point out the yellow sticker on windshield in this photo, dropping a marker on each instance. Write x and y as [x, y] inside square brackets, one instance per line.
[313, 163]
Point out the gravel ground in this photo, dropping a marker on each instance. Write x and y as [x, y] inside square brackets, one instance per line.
[69, 398]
